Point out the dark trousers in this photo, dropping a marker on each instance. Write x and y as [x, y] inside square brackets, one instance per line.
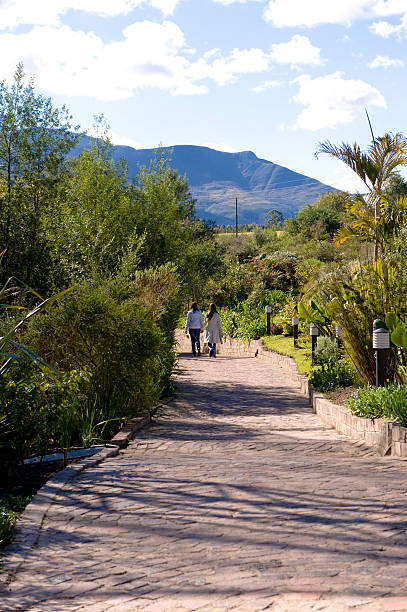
[212, 348]
[195, 340]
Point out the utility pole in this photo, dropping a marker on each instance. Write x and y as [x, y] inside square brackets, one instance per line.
[236, 218]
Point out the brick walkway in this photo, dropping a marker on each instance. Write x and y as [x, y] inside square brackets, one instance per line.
[236, 498]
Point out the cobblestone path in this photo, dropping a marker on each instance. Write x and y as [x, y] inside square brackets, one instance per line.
[235, 498]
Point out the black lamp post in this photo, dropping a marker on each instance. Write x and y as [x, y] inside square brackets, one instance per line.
[268, 314]
[295, 322]
[314, 331]
[381, 342]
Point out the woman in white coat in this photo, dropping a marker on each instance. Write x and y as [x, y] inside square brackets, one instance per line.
[214, 331]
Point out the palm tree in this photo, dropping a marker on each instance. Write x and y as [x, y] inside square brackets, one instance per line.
[375, 167]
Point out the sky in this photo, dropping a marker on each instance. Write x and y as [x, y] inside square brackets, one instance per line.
[276, 77]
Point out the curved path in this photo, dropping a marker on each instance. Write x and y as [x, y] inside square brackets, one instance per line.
[235, 498]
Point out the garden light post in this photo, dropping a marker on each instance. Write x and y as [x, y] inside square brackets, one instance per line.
[295, 320]
[381, 342]
[314, 331]
[268, 314]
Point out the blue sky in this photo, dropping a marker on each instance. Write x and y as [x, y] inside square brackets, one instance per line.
[272, 76]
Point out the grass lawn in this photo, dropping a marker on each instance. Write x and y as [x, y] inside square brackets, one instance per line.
[284, 345]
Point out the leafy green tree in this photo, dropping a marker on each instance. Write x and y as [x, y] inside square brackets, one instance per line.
[34, 141]
[274, 218]
[94, 224]
[164, 213]
[322, 219]
[376, 166]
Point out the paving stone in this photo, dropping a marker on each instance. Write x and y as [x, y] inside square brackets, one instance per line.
[235, 497]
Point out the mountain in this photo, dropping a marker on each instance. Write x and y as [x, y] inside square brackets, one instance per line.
[217, 178]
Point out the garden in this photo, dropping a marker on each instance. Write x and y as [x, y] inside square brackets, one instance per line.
[338, 265]
[94, 269]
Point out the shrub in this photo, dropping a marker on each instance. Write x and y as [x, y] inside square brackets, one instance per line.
[329, 370]
[11, 507]
[102, 326]
[327, 352]
[36, 413]
[389, 402]
[244, 321]
[276, 329]
[338, 375]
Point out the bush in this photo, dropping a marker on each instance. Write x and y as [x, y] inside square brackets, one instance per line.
[329, 370]
[389, 402]
[276, 329]
[327, 353]
[35, 414]
[243, 321]
[11, 507]
[101, 326]
[339, 375]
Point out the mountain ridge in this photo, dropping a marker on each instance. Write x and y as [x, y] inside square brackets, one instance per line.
[216, 178]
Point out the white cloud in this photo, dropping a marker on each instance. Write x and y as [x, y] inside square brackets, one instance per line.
[383, 29]
[148, 55]
[117, 139]
[81, 64]
[382, 61]
[309, 13]
[227, 69]
[267, 85]
[332, 100]
[229, 2]
[296, 51]
[49, 12]
[220, 146]
[292, 13]
[386, 29]
[344, 179]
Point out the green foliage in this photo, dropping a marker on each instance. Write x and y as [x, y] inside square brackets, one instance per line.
[327, 353]
[316, 315]
[308, 269]
[274, 218]
[36, 413]
[285, 346]
[11, 506]
[322, 219]
[389, 402]
[276, 329]
[329, 369]
[243, 321]
[35, 139]
[93, 226]
[261, 297]
[101, 325]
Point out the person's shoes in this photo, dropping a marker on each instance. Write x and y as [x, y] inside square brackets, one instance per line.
[210, 352]
[199, 352]
[193, 354]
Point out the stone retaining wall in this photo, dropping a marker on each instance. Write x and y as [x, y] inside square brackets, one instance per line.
[373, 432]
[383, 435]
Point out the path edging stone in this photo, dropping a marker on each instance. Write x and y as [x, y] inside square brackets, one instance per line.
[28, 526]
[382, 435]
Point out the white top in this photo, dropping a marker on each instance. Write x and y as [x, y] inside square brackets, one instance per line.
[194, 320]
[214, 331]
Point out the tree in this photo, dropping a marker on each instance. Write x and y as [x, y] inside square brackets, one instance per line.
[93, 225]
[274, 218]
[34, 141]
[376, 167]
[322, 219]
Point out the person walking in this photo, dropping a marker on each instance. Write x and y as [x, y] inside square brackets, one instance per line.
[214, 331]
[195, 326]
